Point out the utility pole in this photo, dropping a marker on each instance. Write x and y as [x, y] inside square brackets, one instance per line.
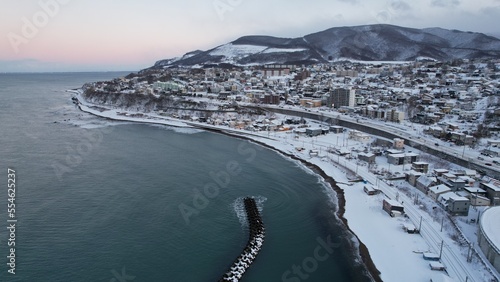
[441, 251]
[420, 224]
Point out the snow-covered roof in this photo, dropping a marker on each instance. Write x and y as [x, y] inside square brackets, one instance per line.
[490, 225]
[404, 155]
[452, 196]
[425, 180]
[492, 186]
[474, 190]
[393, 203]
[441, 188]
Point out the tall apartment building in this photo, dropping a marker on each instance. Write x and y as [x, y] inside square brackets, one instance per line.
[341, 97]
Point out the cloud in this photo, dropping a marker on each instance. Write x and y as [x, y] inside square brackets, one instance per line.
[400, 6]
[445, 3]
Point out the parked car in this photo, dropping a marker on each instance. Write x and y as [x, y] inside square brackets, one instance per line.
[480, 158]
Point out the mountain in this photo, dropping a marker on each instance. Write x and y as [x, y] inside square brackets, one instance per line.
[366, 43]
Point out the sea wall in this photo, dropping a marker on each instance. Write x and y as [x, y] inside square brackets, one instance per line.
[255, 241]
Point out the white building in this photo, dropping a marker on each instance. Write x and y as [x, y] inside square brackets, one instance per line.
[489, 236]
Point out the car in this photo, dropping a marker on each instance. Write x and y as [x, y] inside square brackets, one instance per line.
[496, 162]
[437, 144]
[488, 164]
[480, 158]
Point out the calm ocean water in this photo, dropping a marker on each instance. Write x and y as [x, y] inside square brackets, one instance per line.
[98, 200]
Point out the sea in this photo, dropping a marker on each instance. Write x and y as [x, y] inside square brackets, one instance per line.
[101, 200]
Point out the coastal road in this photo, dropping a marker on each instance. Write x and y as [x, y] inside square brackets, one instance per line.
[458, 156]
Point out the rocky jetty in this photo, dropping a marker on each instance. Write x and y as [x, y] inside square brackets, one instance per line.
[255, 241]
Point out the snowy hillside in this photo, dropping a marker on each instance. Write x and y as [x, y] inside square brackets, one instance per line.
[365, 43]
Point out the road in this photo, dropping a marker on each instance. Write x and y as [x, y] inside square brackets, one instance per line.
[459, 156]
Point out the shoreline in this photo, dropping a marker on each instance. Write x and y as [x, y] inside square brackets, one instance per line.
[341, 203]
[363, 250]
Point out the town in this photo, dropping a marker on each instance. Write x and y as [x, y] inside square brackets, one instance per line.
[440, 123]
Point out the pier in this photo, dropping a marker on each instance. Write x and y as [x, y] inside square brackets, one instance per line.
[255, 241]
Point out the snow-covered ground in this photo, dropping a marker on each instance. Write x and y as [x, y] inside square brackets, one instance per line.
[396, 254]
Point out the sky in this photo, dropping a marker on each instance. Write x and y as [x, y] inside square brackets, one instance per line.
[128, 35]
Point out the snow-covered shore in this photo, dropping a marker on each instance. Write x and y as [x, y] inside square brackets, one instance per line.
[395, 253]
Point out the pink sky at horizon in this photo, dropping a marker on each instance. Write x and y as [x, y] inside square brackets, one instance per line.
[127, 34]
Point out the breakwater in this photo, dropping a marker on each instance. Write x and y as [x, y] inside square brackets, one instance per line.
[255, 241]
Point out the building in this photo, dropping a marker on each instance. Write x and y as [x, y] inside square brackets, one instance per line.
[310, 103]
[476, 200]
[412, 177]
[336, 129]
[311, 132]
[392, 207]
[401, 159]
[454, 204]
[276, 70]
[371, 190]
[367, 157]
[359, 136]
[341, 97]
[440, 171]
[270, 99]
[168, 86]
[492, 192]
[455, 183]
[489, 236]
[397, 116]
[424, 182]
[436, 191]
[475, 191]
[350, 73]
[420, 167]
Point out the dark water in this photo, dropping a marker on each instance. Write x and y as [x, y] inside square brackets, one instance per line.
[103, 201]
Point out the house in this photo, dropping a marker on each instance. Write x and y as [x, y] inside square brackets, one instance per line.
[412, 177]
[475, 191]
[469, 181]
[454, 204]
[435, 191]
[393, 208]
[440, 171]
[424, 182]
[476, 200]
[492, 192]
[455, 184]
[371, 190]
[367, 157]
